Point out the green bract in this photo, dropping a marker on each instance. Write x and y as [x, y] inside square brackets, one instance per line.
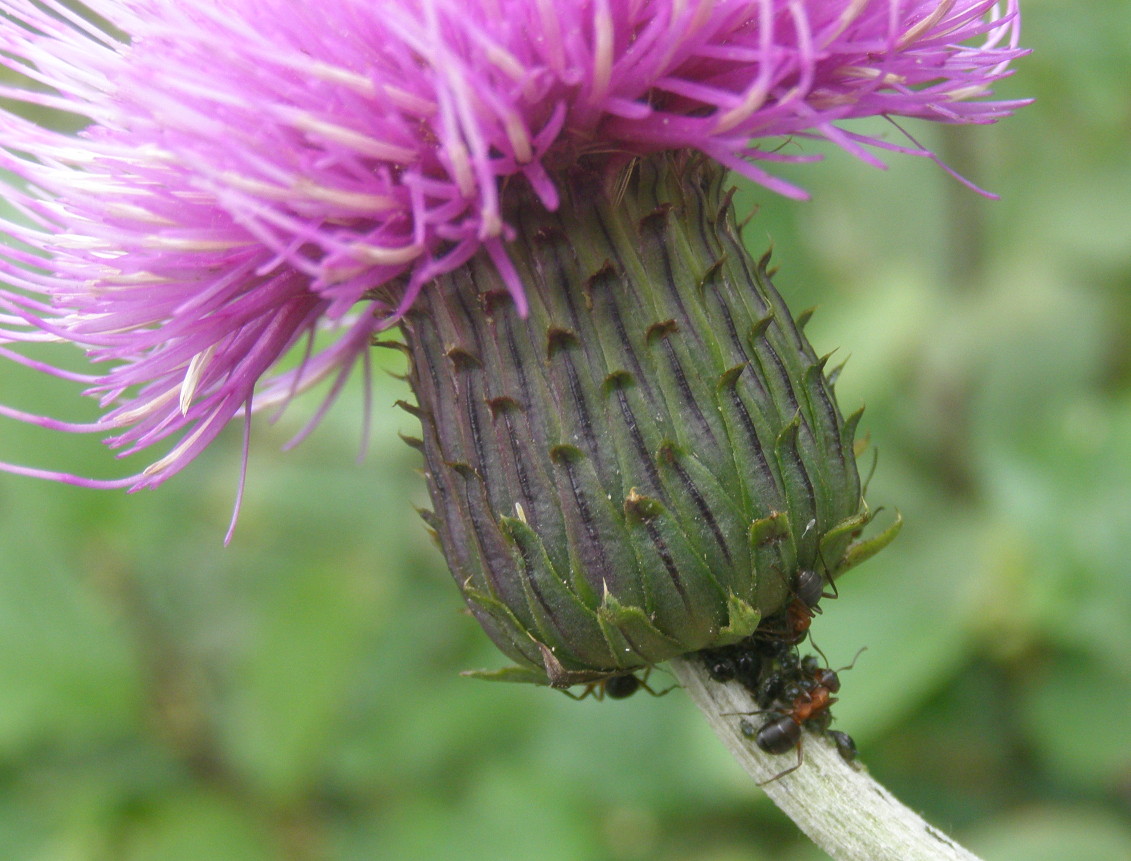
[639, 467]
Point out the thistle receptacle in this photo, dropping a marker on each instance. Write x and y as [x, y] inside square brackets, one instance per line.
[640, 466]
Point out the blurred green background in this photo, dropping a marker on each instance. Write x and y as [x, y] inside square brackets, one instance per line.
[296, 695]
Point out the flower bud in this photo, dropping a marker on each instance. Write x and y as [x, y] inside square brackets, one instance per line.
[641, 465]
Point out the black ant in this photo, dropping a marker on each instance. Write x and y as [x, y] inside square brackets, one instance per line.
[617, 687]
[809, 588]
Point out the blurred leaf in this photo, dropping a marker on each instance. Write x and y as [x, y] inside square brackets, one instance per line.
[190, 826]
[1054, 834]
[66, 670]
[294, 684]
[1060, 697]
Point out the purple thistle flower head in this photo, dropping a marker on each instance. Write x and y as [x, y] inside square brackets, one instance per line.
[251, 174]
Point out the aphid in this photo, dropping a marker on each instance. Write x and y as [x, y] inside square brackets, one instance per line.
[762, 663]
[720, 665]
[771, 688]
[745, 662]
[845, 746]
[782, 681]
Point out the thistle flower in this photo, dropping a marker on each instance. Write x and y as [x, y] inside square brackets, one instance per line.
[252, 174]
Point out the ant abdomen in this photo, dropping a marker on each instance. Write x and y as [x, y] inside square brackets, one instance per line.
[622, 687]
[809, 586]
[779, 735]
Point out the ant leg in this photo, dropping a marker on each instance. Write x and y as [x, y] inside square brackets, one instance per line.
[644, 684]
[666, 690]
[618, 687]
[748, 714]
[832, 583]
[592, 689]
[790, 770]
[835, 593]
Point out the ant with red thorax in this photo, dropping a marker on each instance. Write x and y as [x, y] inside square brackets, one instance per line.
[792, 624]
[754, 661]
[797, 692]
[802, 698]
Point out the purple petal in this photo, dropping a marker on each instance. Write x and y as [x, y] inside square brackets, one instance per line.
[250, 172]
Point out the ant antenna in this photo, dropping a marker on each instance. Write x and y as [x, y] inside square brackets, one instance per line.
[855, 658]
[824, 657]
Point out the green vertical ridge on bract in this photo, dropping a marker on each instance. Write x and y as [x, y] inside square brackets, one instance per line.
[639, 467]
[823, 422]
[549, 598]
[682, 580]
[774, 554]
[706, 502]
[746, 430]
[598, 535]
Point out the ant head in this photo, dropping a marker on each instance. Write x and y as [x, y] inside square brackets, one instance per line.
[827, 679]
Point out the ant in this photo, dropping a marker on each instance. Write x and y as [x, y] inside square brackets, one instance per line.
[750, 661]
[617, 687]
[801, 695]
[797, 692]
[791, 625]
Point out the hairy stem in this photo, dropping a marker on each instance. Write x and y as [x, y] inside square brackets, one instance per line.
[838, 805]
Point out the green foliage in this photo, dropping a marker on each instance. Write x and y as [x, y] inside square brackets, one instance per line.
[296, 695]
